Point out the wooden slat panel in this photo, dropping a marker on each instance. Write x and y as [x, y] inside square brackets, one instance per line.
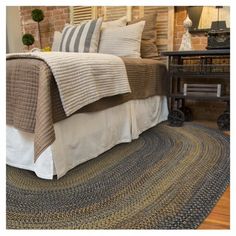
[171, 15]
[82, 13]
[137, 12]
[114, 12]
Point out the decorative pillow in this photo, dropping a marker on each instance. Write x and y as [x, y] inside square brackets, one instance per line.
[122, 41]
[115, 23]
[56, 41]
[149, 36]
[81, 38]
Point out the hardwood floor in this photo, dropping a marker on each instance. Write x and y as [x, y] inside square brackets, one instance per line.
[219, 218]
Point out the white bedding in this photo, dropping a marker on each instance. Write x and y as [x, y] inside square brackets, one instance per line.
[84, 136]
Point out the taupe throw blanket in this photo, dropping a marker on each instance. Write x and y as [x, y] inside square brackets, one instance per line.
[34, 104]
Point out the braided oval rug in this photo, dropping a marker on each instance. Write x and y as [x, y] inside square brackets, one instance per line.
[169, 178]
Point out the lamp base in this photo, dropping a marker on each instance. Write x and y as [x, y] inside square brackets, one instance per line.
[186, 43]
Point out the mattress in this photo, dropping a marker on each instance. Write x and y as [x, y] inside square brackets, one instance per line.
[84, 136]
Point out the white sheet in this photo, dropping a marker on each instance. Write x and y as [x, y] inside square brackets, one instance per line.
[85, 136]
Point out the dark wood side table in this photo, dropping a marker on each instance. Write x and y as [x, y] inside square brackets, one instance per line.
[198, 65]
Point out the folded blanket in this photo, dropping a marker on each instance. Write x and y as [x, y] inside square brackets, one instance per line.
[83, 78]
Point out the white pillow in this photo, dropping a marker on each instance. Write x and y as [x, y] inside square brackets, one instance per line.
[122, 41]
[115, 23]
[56, 41]
[81, 38]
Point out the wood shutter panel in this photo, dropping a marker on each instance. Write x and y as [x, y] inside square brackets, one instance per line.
[82, 13]
[115, 12]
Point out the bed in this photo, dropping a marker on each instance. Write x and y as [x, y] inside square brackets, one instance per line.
[98, 88]
[88, 132]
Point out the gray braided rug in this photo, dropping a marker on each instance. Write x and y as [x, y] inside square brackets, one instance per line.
[169, 178]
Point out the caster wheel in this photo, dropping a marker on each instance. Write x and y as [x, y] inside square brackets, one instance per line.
[223, 121]
[176, 118]
[187, 113]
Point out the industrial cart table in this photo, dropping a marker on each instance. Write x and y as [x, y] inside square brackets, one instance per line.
[184, 66]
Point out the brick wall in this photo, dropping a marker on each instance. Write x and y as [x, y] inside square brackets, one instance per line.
[55, 19]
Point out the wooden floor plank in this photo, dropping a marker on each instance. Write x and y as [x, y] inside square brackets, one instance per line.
[219, 218]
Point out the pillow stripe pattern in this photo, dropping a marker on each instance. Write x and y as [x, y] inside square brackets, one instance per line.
[89, 35]
[81, 38]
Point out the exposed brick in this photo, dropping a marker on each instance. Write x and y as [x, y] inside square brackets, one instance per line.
[204, 40]
[180, 34]
[59, 22]
[178, 41]
[199, 47]
[59, 17]
[179, 28]
[64, 16]
[48, 14]
[66, 10]
[58, 27]
[57, 12]
[51, 8]
[55, 19]
[196, 40]
[45, 35]
[176, 47]
[180, 20]
[44, 27]
[24, 8]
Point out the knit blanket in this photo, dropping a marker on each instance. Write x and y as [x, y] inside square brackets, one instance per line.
[83, 78]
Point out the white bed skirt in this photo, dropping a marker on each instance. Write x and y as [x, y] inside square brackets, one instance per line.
[84, 136]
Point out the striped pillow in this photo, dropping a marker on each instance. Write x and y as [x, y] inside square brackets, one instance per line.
[122, 41]
[81, 38]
